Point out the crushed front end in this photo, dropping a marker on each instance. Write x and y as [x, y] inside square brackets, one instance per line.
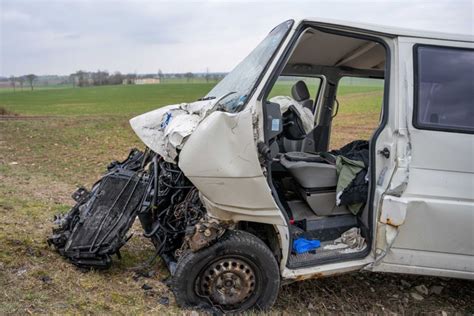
[148, 185]
[144, 186]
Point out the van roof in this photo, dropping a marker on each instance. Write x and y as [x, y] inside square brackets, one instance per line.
[392, 31]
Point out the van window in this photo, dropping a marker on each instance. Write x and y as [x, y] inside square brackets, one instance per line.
[444, 89]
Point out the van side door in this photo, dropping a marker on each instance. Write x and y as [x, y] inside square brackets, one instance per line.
[435, 228]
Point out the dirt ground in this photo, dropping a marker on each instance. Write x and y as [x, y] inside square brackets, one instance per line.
[40, 167]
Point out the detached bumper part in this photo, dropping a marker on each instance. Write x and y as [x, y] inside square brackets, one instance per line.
[96, 227]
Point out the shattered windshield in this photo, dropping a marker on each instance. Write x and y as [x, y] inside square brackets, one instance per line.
[238, 84]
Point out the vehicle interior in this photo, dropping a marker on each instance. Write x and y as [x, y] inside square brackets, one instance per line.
[308, 177]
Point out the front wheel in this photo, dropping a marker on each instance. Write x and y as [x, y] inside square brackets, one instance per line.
[237, 273]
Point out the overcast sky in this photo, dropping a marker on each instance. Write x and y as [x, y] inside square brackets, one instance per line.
[61, 37]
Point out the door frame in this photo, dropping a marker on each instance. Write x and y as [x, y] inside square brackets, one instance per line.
[266, 88]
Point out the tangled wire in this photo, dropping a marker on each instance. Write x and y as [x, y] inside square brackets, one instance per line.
[175, 206]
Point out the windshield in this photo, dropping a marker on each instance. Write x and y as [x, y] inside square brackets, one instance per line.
[238, 84]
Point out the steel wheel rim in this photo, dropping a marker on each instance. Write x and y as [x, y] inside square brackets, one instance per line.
[228, 283]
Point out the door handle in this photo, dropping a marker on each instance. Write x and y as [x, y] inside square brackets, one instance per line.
[385, 152]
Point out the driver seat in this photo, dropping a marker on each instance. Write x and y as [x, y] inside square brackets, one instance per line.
[300, 93]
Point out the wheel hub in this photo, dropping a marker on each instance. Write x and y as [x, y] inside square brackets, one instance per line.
[228, 282]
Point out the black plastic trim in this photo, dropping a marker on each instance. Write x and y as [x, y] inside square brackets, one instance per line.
[310, 191]
[415, 122]
[337, 258]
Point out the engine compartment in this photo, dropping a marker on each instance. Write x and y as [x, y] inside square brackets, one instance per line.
[144, 186]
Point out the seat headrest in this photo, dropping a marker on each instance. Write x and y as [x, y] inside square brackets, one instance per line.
[300, 91]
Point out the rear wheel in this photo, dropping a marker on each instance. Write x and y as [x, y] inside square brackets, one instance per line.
[237, 273]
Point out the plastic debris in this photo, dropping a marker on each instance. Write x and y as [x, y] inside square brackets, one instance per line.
[146, 287]
[422, 289]
[164, 300]
[352, 239]
[416, 296]
[302, 245]
[436, 289]
[46, 279]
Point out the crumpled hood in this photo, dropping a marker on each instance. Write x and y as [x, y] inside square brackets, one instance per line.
[166, 129]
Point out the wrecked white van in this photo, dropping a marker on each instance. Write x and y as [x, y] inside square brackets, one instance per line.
[240, 193]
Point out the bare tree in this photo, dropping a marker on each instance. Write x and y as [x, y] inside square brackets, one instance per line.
[189, 76]
[208, 76]
[72, 79]
[130, 78]
[116, 78]
[96, 78]
[104, 77]
[31, 79]
[160, 75]
[13, 82]
[21, 80]
[81, 78]
[99, 78]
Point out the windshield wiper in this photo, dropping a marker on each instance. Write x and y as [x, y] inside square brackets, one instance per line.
[218, 105]
[206, 98]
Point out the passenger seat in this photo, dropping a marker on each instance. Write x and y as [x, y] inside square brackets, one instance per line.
[317, 181]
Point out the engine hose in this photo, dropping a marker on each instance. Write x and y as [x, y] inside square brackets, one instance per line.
[155, 181]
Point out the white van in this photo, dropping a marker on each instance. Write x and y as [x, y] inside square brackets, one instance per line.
[259, 198]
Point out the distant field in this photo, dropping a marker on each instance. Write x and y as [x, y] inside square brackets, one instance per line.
[113, 100]
[7, 89]
[121, 99]
[75, 133]
[26, 87]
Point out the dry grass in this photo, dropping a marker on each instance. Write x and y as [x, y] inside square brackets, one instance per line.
[357, 118]
[4, 111]
[43, 160]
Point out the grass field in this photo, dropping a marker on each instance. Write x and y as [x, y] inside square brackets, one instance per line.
[105, 100]
[63, 138]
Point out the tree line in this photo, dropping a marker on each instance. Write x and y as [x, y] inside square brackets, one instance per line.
[21, 80]
[101, 77]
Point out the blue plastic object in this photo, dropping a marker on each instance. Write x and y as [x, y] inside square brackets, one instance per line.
[302, 245]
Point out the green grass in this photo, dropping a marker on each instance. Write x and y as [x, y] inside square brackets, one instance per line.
[27, 88]
[104, 100]
[120, 100]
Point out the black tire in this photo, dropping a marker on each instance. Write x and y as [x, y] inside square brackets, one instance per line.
[240, 252]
